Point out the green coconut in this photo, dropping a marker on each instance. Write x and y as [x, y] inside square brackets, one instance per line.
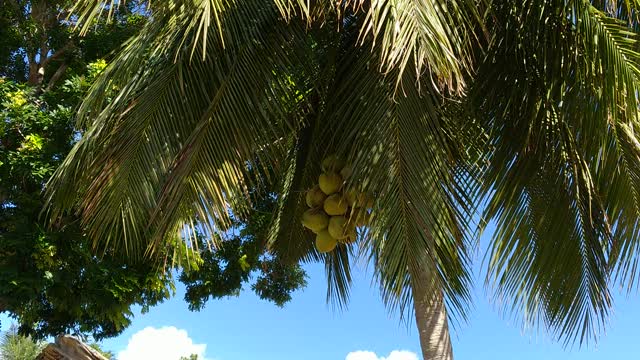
[324, 242]
[315, 220]
[346, 172]
[337, 227]
[315, 197]
[330, 182]
[332, 163]
[335, 205]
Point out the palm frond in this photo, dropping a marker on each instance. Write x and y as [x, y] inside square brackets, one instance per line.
[338, 270]
[553, 111]
[87, 11]
[625, 10]
[405, 153]
[210, 90]
[402, 154]
[176, 143]
[287, 237]
[430, 38]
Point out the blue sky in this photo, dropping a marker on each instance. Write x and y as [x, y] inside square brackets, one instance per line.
[247, 328]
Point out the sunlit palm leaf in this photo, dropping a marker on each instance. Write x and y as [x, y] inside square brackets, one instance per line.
[430, 38]
[403, 152]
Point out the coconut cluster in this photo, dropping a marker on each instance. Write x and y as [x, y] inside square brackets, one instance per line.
[334, 212]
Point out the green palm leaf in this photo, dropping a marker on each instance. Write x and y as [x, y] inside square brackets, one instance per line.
[170, 166]
[554, 117]
[432, 38]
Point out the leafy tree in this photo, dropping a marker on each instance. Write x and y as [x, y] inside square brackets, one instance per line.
[40, 45]
[53, 281]
[440, 106]
[14, 346]
[223, 271]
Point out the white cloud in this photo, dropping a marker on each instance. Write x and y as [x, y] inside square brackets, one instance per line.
[165, 343]
[394, 355]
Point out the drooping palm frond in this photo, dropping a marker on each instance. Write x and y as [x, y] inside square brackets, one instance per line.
[291, 241]
[403, 151]
[624, 10]
[286, 236]
[431, 38]
[403, 154]
[624, 202]
[173, 146]
[553, 108]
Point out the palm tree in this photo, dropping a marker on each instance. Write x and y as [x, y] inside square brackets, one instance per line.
[524, 111]
[14, 346]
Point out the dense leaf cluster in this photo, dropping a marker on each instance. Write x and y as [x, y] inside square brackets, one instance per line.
[51, 280]
[242, 259]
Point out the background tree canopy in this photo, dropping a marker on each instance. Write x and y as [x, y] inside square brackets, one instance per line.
[53, 281]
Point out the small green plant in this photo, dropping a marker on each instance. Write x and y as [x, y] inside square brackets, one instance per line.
[14, 346]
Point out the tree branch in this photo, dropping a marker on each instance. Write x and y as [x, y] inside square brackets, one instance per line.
[58, 54]
[56, 76]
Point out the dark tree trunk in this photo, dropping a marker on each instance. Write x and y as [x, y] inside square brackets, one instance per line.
[36, 74]
[56, 76]
[43, 14]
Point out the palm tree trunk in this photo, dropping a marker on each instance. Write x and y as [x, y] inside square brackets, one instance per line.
[433, 327]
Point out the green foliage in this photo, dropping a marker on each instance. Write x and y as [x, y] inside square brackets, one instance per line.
[14, 346]
[52, 281]
[107, 35]
[241, 259]
[560, 101]
[26, 24]
[42, 33]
